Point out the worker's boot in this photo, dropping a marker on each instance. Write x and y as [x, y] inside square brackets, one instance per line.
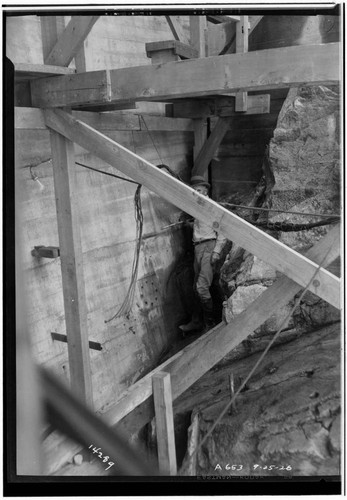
[209, 321]
[194, 325]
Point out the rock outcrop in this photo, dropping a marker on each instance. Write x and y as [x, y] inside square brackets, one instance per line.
[304, 177]
[288, 417]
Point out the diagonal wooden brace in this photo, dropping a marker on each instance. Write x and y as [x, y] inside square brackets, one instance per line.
[275, 253]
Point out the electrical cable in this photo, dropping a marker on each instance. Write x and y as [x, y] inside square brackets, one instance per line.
[106, 173]
[126, 306]
[282, 325]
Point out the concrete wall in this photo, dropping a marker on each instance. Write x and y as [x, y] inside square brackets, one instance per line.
[130, 346]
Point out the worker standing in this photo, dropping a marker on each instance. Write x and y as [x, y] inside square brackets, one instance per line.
[208, 245]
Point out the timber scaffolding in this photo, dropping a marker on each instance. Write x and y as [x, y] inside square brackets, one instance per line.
[71, 104]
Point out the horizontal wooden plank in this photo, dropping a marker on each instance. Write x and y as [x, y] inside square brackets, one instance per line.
[196, 359]
[259, 70]
[25, 71]
[181, 49]
[219, 106]
[275, 253]
[32, 118]
[84, 88]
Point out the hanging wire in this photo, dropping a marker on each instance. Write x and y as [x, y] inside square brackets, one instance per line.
[107, 173]
[126, 306]
[274, 338]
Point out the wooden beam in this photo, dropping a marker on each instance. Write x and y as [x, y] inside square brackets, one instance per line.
[220, 106]
[65, 187]
[51, 29]
[242, 35]
[188, 365]
[164, 424]
[71, 40]
[259, 70]
[275, 253]
[177, 29]
[230, 47]
[32, 118]
[180, 49]
[163, 56]
[209, 148]
[198, 33]
[241, 47]
[25, 71]
[71, 260]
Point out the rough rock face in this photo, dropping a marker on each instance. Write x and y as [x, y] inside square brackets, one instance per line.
[288, 417]
[304, 158]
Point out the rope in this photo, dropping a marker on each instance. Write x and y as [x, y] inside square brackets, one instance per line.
[282, 325]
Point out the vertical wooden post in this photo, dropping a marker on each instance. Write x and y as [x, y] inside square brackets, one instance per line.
[198, 30]
[64, 175]
[51, 28]
[241, 46]
[200, 137]
[165, 426]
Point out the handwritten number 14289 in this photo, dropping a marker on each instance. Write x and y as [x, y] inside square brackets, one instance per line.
[104, 458]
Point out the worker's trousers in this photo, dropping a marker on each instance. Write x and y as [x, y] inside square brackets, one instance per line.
[203, 269]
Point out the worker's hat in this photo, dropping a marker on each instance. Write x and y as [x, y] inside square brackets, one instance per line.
[199, 180]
